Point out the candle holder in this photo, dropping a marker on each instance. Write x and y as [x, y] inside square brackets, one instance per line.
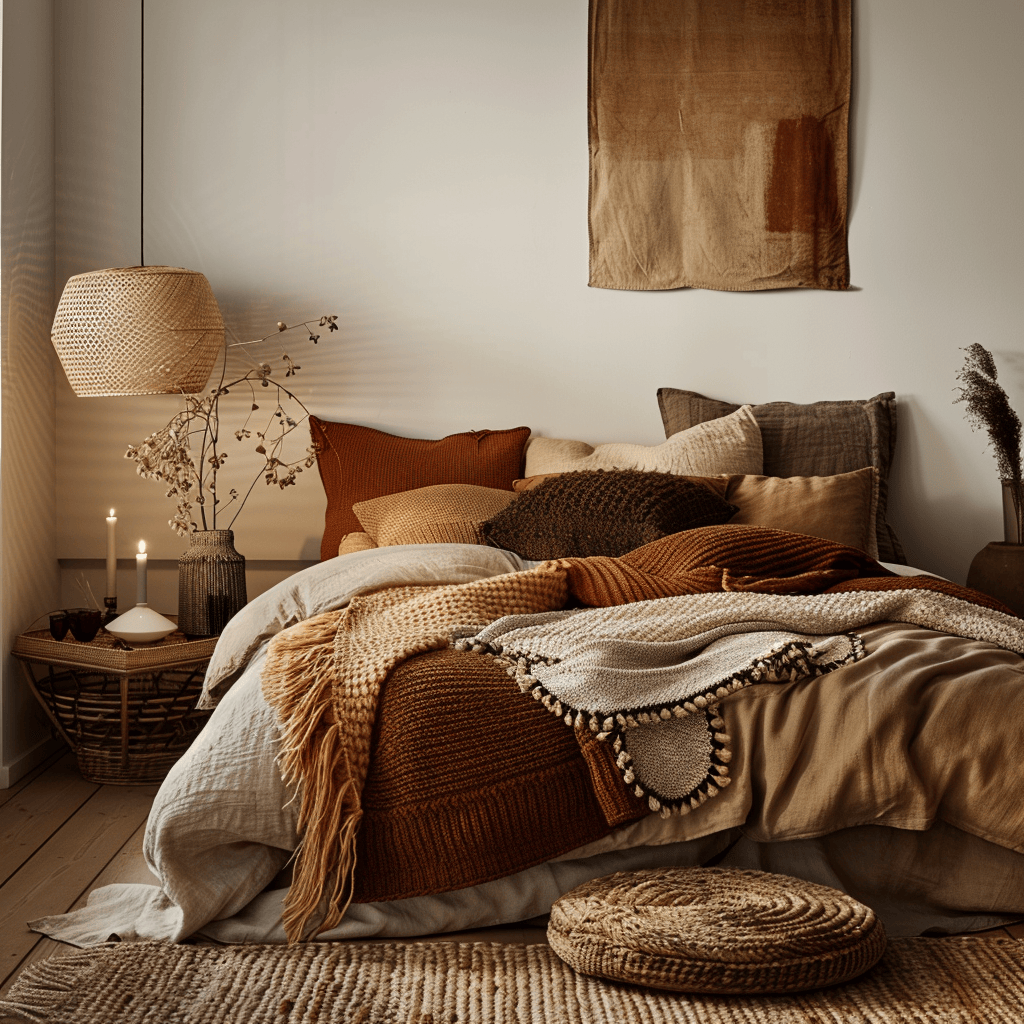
[141, 625]
[110, 603]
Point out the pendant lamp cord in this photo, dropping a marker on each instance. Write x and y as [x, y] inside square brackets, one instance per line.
[142, 133]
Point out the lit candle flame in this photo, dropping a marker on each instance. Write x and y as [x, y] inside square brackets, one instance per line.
[142, 547]
[111, 513]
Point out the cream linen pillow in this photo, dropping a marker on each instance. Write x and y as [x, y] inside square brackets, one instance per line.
[842, 508]
[727, 445]
[438, 514]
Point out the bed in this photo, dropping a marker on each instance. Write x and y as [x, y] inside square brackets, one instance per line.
[526, 662]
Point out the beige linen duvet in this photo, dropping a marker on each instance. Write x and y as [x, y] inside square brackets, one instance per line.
[897, 777]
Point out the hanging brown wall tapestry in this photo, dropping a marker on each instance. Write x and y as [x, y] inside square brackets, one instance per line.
[718, 143]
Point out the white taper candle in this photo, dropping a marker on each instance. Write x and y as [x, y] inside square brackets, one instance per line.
[141, 560]
[111, 556]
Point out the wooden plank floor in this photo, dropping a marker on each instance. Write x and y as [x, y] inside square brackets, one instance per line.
[61, 837]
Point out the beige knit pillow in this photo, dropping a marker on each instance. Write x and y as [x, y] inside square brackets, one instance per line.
[438, 514]
[729, 444]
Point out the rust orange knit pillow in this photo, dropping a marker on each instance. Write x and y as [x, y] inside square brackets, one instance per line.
[359, 463]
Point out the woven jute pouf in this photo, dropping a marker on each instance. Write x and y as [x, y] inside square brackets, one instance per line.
[716, 930]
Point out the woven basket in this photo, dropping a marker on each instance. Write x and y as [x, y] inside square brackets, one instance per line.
[715, 930]
[138, 331]
[158, 708]
[128, 714]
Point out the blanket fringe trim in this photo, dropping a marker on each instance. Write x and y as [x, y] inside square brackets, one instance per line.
[298, 680]
[790, 662]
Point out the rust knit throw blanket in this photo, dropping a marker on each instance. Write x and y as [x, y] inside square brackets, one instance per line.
[718, 144]
[323, 677]
[469, 782]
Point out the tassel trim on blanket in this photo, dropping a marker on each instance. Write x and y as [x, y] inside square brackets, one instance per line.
[792, 661]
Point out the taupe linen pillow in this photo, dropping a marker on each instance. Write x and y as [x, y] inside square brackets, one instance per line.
[817, 439]
[839, 508]
[602, 512]
[730, 444]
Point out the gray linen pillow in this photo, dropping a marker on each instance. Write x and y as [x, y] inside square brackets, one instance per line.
[817, 439]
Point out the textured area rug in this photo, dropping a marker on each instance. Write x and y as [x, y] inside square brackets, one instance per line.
[918, 980]
[718, 143]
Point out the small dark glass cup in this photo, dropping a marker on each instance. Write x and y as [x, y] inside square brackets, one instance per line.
[58, 625]
[84, 623]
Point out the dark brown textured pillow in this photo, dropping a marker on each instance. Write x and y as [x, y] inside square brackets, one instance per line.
[359, 463]
[602, 512]
[817, 439]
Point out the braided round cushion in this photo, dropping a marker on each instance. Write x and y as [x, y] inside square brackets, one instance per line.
[719, 930]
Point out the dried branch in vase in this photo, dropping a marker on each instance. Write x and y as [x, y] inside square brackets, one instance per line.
[989, 407]
[187, 453]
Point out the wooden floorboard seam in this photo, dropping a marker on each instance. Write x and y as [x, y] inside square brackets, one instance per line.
[44, 947]
[67, 866]
[30, 776]
[67, 800]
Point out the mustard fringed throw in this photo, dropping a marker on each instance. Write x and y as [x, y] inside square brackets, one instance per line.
[323, 678]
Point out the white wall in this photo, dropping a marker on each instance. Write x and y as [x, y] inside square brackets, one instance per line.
[421, 170]
[28, 564]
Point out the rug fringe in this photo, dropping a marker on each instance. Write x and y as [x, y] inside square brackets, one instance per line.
[45, 987]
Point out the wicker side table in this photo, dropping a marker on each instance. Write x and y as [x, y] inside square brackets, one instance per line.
[127, 713]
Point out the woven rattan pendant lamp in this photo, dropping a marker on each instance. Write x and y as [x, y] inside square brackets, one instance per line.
[138, 330]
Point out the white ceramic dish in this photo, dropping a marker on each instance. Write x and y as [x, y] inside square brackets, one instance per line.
[141, 625]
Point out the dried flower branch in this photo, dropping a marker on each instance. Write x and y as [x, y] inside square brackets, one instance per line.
[989, 407]
[167, 454]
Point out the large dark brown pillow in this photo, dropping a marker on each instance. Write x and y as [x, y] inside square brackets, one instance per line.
[602, 512]
[817, 439]
[359, 463]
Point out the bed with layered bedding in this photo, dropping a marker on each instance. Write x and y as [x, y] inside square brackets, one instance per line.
[526, 662]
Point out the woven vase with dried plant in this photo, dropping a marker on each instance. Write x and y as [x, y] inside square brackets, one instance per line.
[188, 452]
[989, 407]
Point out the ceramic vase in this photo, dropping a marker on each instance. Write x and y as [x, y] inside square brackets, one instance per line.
[998, 569]
[211, 583]
[1013, 514]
